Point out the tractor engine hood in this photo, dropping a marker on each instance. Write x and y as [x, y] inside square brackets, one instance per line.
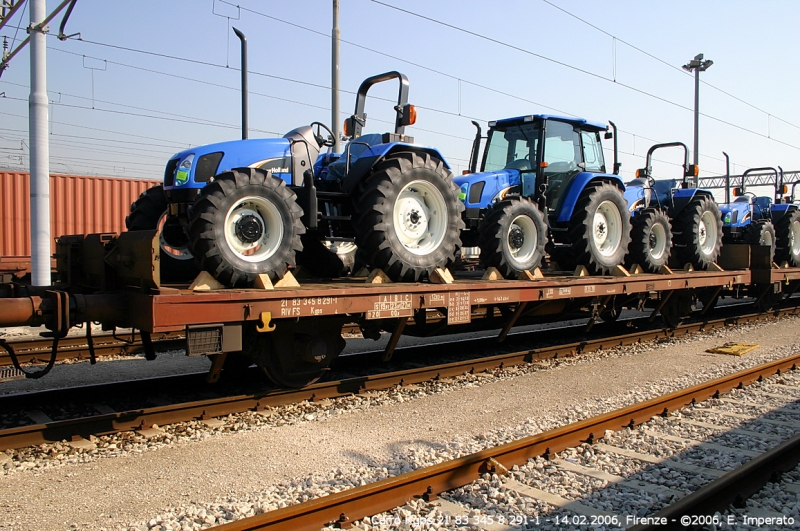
[193, 168]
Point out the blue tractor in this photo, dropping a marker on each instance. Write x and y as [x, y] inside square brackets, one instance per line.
[671, 216]
[756, 220]
[249, 207]
[787, 229]
[242, 208]
[543, 185]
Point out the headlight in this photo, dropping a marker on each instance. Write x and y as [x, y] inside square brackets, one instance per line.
[182, 173]
[462, 195]
[727, 220]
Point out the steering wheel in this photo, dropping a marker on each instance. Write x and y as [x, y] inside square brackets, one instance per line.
[321, 140]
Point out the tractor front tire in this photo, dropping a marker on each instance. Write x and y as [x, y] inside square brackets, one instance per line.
[600, 228]
[761, 233]
[409, 216]
[512, 237]
[246, 222]
[787, 238]
[651, 240]
[149, 212]
[698, 233]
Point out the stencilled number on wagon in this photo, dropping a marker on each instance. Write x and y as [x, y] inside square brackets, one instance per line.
[391, 306]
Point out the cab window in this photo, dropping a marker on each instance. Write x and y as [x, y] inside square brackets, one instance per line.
[593, 152]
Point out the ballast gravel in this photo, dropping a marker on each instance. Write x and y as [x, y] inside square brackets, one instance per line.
[193, 476]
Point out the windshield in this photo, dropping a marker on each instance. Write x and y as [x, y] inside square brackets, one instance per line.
[511, 146]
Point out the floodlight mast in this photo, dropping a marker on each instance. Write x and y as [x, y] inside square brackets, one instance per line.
[697, 65]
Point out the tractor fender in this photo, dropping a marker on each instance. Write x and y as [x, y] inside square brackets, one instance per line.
[576, 187]
[777, 211]
[362, 166]
[682, 196]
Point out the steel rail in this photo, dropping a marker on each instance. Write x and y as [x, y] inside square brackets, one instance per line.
[428, 482]
[110, 423]
[37, 350]
[737, 485]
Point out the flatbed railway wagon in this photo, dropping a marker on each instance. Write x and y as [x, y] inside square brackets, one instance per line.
[292, 329]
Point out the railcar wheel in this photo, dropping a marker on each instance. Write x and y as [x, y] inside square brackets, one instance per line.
[149, 212]
[512, 237]
[296, 353]
[651, 240]
[245, 223]
[611, 312]
[676, 309]
[698, 233]
[761, 233]
[600, 228]
[787, 238]
[409, 216]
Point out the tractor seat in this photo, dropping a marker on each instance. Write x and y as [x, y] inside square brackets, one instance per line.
[357, 148]
[763, 202]
[664, 187]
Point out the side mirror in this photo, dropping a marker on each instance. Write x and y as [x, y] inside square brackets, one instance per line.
[608, 135]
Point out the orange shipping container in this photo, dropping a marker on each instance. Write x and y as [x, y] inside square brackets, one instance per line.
[78, 205]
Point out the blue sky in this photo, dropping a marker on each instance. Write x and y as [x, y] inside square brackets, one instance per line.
[120, 112]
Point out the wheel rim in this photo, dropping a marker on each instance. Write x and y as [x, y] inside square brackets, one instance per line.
[522, 238]
[340, 248]
[794, 238]
[420, 217]
[657, 241]
[174, 249]
[253, 228]
[607, 228]
[707, 233]
[766, 239]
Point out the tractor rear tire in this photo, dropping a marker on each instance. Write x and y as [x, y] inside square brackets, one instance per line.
[326, 261]
[651, 240]
[409, 216]
[787, 238]
[149, 212]
[600, 228]
[761, 233]
[246, 222]
[698, 233]
[512, 237]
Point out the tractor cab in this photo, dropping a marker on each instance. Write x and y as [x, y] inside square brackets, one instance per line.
[540, 157]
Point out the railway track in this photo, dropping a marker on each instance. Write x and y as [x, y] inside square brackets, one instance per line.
[106, 416]
[724, 446]
[38, 349]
